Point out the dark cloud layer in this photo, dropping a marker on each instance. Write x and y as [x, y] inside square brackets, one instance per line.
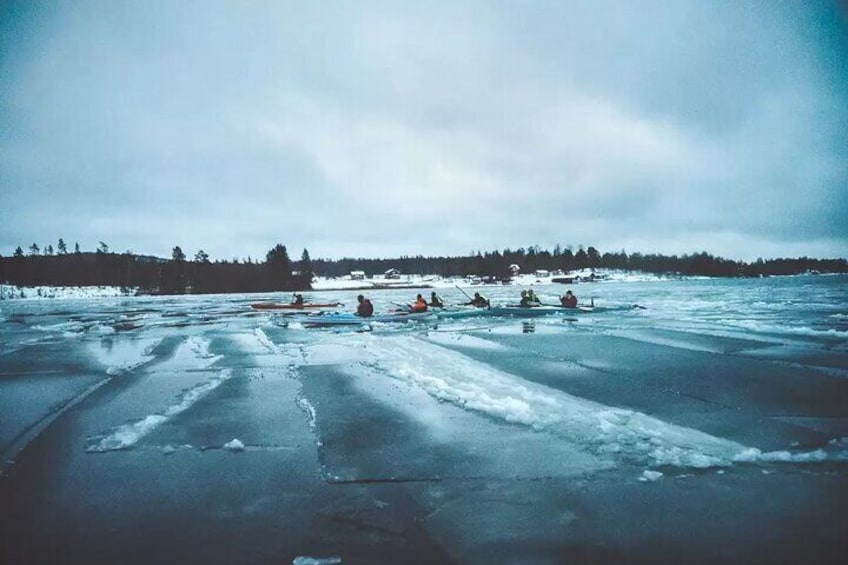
[384, 129]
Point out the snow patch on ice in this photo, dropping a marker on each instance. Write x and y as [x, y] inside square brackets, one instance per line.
[199, 346]
[257, 342]
[650, 476]
[193, 353]
[307, 407]
[119, 356]
[834, 452]
[303, 560]
[265, 341]
[235, 445]
[332, 353]
[804, 331]
[126, 436]
[463, 340]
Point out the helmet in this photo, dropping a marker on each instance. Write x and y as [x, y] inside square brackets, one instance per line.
[360, 298]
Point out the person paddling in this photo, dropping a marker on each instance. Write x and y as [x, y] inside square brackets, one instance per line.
[420, 305]
[365, 308]
[436, 301]
[529, 299]
[479, 301]
[569, 300]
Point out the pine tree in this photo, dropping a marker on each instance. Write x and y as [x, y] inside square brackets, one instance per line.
[177, 254]
[593, 258]
[306, 267]
[19, 252]
[63, 249]
[76, 248]
[34, 249]
[581, 258]
[278, 268]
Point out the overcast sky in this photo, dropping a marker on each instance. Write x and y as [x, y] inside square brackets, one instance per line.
[381, 128]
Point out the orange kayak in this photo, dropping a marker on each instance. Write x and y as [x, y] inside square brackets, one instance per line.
[278, 306]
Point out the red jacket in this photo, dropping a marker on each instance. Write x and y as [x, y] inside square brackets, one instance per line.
[365, 308]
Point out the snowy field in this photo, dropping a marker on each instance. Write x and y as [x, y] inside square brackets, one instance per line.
[709, 425]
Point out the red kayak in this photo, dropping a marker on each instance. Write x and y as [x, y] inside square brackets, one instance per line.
[278, 306]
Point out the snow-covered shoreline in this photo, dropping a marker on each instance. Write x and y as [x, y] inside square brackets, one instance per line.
[13, 292]
[437, 281]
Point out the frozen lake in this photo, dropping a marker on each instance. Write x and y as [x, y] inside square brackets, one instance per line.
[709, 425]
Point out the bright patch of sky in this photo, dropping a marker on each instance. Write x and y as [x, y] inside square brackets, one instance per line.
[384, 129]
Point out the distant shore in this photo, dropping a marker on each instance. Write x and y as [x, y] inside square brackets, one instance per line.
[373, 284]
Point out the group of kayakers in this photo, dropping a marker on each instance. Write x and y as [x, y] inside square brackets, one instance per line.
[529, 299]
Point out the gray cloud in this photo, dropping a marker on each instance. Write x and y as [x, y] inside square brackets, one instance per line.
[380, 129]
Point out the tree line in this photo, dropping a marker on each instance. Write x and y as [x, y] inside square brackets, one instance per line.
[179, 274]
[497, 264]
[154, 275]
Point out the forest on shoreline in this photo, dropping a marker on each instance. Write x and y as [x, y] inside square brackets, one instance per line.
[179, 274]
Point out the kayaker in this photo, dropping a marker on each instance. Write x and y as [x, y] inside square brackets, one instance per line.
[365, 308]
[569, 300]
[436, 301]
[479, 301]
[420, 305]
[529, 299]
[297, 300]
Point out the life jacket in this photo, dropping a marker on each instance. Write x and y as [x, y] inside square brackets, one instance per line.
[570, 301]
[419, 306]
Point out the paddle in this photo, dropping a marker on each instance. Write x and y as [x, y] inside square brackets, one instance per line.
[469, 297]
[406, 307]
[463, 292]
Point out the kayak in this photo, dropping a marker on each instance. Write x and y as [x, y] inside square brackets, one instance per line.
[279, 306]
[537, 311]
[346, 319]
[453, 312]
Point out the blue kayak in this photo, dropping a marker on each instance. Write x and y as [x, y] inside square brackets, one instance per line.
[537, 311]
[464, 311]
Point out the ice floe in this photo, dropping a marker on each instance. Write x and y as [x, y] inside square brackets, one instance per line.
[452, 377]
[127, 435]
